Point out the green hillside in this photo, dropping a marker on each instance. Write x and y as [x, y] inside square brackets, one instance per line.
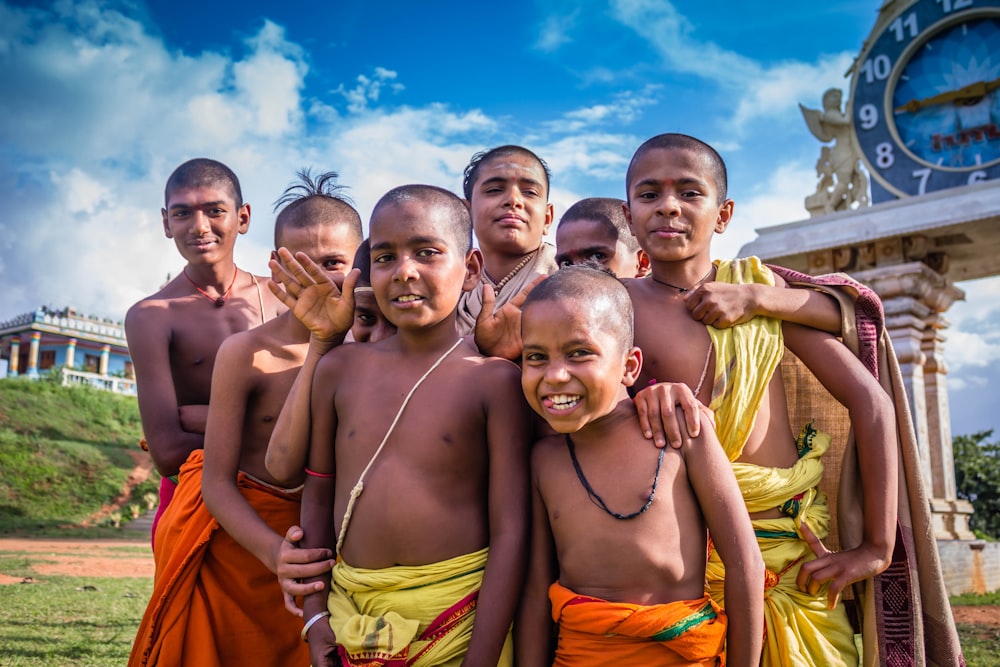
[66, 454]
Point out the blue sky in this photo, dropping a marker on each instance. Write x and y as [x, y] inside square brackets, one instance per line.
[101, 99]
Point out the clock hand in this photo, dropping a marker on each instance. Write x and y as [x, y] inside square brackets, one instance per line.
[972, 91]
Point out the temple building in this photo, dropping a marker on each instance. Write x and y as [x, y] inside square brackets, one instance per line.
[85, 349]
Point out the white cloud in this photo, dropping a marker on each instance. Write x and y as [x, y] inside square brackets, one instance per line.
[624, 108]
[554, 31]
[762, 90]
[369, 89]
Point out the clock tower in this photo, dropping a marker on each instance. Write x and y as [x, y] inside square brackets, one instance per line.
[925, 97]
[921, 125]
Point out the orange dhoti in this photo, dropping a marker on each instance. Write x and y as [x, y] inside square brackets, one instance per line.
[597, 632]
[213, 602]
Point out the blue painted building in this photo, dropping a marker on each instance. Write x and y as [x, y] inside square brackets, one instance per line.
[88, 349]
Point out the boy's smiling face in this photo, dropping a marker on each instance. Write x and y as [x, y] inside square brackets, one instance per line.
[510, 208]
[673, 204]
[418, 272]
[574, 370]
[204, 222]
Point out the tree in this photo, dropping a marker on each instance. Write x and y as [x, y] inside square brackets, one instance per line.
[977, 477]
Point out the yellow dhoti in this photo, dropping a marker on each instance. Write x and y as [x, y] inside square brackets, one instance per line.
[799, 628]
[408, 615]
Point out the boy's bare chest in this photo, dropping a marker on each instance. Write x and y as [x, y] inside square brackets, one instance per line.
[441, 418]
[675, 347]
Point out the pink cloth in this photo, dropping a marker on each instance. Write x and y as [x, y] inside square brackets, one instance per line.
[167, 487]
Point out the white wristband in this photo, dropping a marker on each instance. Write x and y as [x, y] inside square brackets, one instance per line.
[311, 622]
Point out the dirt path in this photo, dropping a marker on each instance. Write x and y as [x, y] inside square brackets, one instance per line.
[77, 558]
[133, 558]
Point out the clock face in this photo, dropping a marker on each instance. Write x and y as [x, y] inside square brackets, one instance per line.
[926, 97]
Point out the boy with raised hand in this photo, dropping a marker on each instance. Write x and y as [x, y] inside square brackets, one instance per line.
[596, 229]
[309, 294]
[173, 335]
[431, 538]
[216, 601]
[676, 188]
[507, 189]
[306, 293]
[617, 523]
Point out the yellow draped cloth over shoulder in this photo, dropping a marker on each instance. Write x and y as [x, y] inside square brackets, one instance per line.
[408, 615]
[746, 357]
[799, 629]
[595, 632]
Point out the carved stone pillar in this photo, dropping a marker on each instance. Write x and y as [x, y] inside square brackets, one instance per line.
[952, 512]
[914, 296]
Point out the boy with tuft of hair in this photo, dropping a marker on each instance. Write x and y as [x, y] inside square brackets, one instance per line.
[676, 187]
[174, 334]
[596, 229]
[430, 503]
[617, 523]
[289, 444]
[216, 601]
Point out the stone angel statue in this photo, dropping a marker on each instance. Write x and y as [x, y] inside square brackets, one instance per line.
[842, 182]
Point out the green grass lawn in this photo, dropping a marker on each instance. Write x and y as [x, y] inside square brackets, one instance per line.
[71, 621]
[65, 453]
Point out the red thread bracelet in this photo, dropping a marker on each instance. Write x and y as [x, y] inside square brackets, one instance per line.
[323, 475]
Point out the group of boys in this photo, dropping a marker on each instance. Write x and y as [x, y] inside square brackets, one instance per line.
[441, 524]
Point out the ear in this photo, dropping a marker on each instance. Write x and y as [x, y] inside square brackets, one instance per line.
[166, 224]
[628, 216]
[633, 366]
[550, 214]
[642, 266]
[473, 270]
[243, 215]
[725, 216]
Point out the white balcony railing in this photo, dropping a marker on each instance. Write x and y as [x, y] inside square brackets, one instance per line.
[117, 385]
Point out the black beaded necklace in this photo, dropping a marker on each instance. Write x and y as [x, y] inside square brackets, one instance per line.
[680, 289]
[596, 499]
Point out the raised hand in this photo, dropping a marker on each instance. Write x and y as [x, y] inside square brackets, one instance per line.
[313, 295]
[498, 334]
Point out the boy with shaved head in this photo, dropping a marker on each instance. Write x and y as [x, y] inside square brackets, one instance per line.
[676, 187]
[173, 335]
[619, 525]
[216, 600]
[425, 507]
